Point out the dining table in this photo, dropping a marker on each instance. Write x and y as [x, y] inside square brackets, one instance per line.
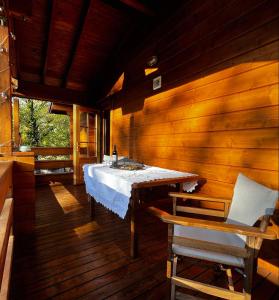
[118, 189]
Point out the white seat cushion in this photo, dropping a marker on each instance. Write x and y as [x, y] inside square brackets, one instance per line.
[210, 236]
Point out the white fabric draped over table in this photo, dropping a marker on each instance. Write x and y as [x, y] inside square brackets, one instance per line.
[112, 187]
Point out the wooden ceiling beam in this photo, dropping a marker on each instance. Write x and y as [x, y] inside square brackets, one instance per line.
[20, 9]
[49, 93]
[138, 6]
[131, 6]
[84, 11]
[49, 27]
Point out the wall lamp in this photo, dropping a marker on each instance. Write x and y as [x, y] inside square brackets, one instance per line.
[13, 36]
[152, 61]
[4, 96]
[3, 50]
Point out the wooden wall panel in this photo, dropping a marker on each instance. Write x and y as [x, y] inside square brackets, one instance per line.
[217, 111]
[23, 191]
[5, 104]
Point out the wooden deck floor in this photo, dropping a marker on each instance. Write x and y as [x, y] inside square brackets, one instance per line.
[72, 257]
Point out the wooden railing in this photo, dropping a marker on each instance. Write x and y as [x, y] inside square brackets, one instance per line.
[6, 221]
[53, 164]
[45, 151]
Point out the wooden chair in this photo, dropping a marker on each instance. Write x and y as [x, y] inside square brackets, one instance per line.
[233, 243]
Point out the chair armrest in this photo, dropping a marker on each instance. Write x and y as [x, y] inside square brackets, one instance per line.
[213, 225]
[198, 197]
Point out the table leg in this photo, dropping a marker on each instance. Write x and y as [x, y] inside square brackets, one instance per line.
[179, 187]
[92, 206]
[134, 238]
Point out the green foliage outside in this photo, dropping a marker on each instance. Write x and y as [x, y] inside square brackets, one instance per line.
[39, 128]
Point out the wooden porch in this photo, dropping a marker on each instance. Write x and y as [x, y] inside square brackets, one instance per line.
[72, 257]
[186, 85]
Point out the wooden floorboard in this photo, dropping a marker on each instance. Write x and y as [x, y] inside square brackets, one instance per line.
[72, 257]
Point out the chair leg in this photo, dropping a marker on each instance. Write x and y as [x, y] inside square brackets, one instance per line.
[174, 266]
[248, 270]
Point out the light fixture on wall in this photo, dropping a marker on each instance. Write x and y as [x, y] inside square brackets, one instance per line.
[3, 50]
[3, 97]
[13, 36]
[152, 61]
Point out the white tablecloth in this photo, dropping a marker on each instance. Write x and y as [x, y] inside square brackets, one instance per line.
[112, 187]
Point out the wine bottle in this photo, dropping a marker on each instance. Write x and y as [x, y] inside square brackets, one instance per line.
[114, 156]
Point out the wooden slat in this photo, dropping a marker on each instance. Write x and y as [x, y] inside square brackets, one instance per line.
[49, 31]
[212, 225]
[4, 290]
[49, 93]
[5, 180]
[52, 150]
[215, 247]
[201, 211]
[198, 197]
[5, 228]
[165, 181]
[53, 164]
[208, 289]
[77, 36]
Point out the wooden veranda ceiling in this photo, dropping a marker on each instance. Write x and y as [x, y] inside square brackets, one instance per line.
[73, 50]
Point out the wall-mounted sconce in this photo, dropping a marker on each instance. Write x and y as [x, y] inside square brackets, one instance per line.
[13, 36]
[3, 50]
[152, 61]
[1, 9]
[3, 97]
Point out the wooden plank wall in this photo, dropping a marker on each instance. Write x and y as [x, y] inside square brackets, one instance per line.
[217, 111]
[23, 192]
[5, 104]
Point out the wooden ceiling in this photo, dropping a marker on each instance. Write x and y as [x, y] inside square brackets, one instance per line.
[72, 50]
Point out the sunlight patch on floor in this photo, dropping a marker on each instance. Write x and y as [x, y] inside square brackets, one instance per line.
[65, 199]
[86, 228]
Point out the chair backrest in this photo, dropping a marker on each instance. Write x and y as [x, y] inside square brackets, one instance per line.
[251, 201]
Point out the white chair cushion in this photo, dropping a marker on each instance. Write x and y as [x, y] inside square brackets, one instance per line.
[251, 200]
[209, 236]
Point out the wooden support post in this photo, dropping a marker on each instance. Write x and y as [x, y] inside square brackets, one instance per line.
[5, 102]
[98, 137]
[92, 206]
[170, 254]
[174, 206]
[76, 140]
[16, 122]
[134, 237]
[248, 270]
[174, 267]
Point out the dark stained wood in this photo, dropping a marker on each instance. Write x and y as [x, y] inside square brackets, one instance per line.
[53, 164]
[60, 109]
[52, 150]
[79, 28]
[49, 93]
[70, 43]
[139, 7]
[74, 257]
[21, 9]
[49, 29]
